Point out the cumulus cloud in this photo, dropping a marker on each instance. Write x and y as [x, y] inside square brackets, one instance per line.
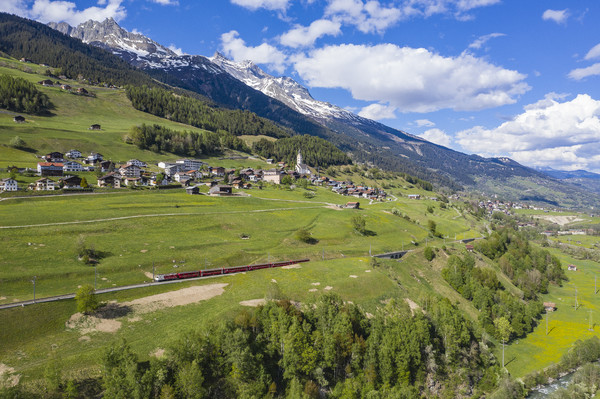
[235, 47]
[437, 136]
[367, 17]
[409, 79]
[563, 135]
[582, 73]
[424, 123]
[377, 112]
[275, 5]
[593, 53]
[558, 16]
[304, 36]
[58, 11]
[477, 44]
[176, 50]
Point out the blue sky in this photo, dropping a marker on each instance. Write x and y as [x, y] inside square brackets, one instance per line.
[492, 77]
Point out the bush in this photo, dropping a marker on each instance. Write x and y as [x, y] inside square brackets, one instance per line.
[304, 236]
[87, 302]
[17, 142]
[429, 253]
[359, 224]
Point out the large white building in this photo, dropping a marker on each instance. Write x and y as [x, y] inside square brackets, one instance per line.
[8, 184]
[301, 167]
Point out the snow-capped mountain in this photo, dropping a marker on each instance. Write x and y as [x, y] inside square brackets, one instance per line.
[285, 89]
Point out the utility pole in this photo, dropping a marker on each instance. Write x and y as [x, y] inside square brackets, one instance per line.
[33, 281]
[547, 314]
[370, 245]
[576, 302]
[595, 290]
[95, 275]
[591, 328]
[323, 253]
[153, 272]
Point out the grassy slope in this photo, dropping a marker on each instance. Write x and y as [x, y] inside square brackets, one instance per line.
[202, 232]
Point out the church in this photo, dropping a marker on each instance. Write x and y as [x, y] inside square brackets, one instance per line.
[301, 167]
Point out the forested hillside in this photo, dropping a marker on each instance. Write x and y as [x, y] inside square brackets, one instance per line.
[316, 151]
[23, 38]
[191, 111]
[19, 95]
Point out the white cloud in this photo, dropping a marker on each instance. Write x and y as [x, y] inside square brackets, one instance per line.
[437, 136]
[582, 73]
[301, 36]
[279, 5]
[564, 135]
[235, 47]
[17, 7]
[409, 79]
[58, 11]
[176, 50]
[593, 53]
[558, 16]
[424, 123]
[367, 17]
[377, 112]
[166, 2]
[477, 44]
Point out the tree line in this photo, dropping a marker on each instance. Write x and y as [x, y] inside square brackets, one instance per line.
[17, 94]
[158, 138]
[194, 112]
[316, 151]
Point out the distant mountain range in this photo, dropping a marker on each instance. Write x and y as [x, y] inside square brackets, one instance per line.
[283, 100]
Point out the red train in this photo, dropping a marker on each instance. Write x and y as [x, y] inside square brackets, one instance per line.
[223, 270]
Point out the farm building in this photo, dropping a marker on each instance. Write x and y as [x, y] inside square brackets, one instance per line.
[19, 119]
[221, 189]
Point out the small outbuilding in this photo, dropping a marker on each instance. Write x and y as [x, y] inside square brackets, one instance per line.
[19, 119]
[549, 306]
[221, 189]
[192, 190]
[353, 205]
[95, 126]
[572, 268]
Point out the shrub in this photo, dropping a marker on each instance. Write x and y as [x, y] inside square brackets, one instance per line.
[86, 299]
[429, 253]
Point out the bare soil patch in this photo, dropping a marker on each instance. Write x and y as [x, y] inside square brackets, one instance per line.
[182, 297]
[144, 251]
[159, 352]
[8, 378]
[412, 305]
[315, 284]
[328, 288]
[560, 220]
[313, 290]
[254, 302]
[353, 276]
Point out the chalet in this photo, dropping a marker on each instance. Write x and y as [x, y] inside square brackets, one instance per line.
[182, 177]
[269, 161]
[107, 166]
[272, 176]
[353, 205]
[44, 184]
[70, 182]
[132, 181]
[46, 82]
[66, 87]
[19, 119]
[164, 165]
[217, 171]
[72, 166]
[572, 268]
[237, 183]
[8, 184]
[94, 157]
[50, 168]
[414, 196]
[54, 157]
[220, 189]
[74, 154]
[137, 163]
[111, 179]
[130, 170]
[192, 190]
[81, 90]
[95, 126]
[190, 164]
[549, 306]
[469, 247]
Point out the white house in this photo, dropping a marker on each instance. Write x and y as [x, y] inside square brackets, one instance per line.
[130, 170]
[44, 184]
[73, 154]
[137, 163]
[190, 164]
[8, 184]
[72, 166]
[95, 157]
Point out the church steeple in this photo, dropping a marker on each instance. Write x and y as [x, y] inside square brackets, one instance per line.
[299, 158]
